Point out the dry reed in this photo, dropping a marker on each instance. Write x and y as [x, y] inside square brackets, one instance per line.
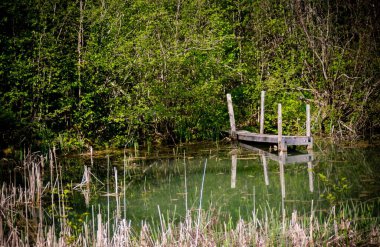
[22, 221]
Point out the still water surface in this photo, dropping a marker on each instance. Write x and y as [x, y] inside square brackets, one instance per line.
[237, 182]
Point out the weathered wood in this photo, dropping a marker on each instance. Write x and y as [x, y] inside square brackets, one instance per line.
[232, 116]
[296, 140]
[282, 146]
[247, 136]
[244, 135]
[258, 114]
[282, 141]
[308, 127]
[262, 112]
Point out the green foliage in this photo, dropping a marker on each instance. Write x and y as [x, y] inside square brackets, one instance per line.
[69, 142]
[116, 72]
[334, 190]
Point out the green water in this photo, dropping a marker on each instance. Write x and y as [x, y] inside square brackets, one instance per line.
[158, 181]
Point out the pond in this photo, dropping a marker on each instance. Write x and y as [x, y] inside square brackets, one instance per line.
[193, 195]
[234, 182]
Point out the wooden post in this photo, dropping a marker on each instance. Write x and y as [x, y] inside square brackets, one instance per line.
[281, 146]
[308, 128]
[262, 112]
[258, 114]
[232, 116]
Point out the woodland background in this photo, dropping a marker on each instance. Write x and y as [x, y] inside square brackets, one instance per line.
[117, 72]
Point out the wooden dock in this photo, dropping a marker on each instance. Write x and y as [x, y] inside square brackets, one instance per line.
[282, 141]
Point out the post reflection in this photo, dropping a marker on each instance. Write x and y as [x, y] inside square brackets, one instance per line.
[265, 168]
[281, 162]
[311, 176]
[233, 170]
[282, 159]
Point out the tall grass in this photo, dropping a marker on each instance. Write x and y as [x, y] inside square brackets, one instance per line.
[35, 215]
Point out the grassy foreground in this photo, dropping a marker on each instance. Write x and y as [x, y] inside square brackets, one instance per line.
[36, 214]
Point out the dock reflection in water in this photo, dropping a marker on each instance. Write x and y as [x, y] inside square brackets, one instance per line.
[282, 159]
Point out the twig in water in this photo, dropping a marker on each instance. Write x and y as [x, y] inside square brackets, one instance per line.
[108, 197]
[124, 192]
[200, 203]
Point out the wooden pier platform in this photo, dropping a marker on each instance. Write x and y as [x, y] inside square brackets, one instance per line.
[282, 141]
[243, 135]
